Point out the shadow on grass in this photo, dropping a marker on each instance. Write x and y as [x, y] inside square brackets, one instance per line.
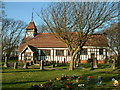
[22, 82]
[26, 70]
[85, 65]
[100, 66]
[103, 66]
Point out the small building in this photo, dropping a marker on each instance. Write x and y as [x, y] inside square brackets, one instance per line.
[45, 46]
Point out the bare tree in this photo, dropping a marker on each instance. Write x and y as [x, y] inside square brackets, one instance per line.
[74, 23]
[113, 35]
[2, 15]
[11, 35]
[42, 28]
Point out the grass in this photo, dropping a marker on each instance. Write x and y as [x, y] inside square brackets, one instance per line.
[25, 78]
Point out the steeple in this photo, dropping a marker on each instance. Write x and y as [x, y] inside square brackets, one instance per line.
[31, 25]
[31, 29]
[32, 16]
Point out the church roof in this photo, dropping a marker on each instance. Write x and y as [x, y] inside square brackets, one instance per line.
[48, 40]
[32, 48]
[31, 25]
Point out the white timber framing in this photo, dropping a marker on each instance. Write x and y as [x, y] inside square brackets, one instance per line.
[65, 56]
[90, 50]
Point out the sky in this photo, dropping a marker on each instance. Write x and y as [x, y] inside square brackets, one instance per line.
[23, 10]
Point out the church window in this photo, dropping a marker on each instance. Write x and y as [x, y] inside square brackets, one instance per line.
[59, 52]
[84, 51]
[45, 52]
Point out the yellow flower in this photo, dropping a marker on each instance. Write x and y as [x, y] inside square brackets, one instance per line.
[115, 82]
[57, 78]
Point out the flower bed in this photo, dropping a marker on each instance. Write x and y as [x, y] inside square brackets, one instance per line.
[71, 82]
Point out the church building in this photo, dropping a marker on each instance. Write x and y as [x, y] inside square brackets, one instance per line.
[45, 46]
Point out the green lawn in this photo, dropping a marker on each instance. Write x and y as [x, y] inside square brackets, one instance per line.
[25, 78]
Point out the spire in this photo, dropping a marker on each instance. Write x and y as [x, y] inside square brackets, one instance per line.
[31, 30]
[31, 25]
[32, 15]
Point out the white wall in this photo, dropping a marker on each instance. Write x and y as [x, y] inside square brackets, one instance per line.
[53, 56]
[90, 50]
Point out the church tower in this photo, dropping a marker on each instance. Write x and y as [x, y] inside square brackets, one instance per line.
[31, 30]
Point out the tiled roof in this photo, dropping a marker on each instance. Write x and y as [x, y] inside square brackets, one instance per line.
[47, 40]
[31, 25]
[97, 40]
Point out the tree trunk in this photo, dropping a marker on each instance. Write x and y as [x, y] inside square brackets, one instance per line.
[118, 62]
[71, 67]
[74, 64]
